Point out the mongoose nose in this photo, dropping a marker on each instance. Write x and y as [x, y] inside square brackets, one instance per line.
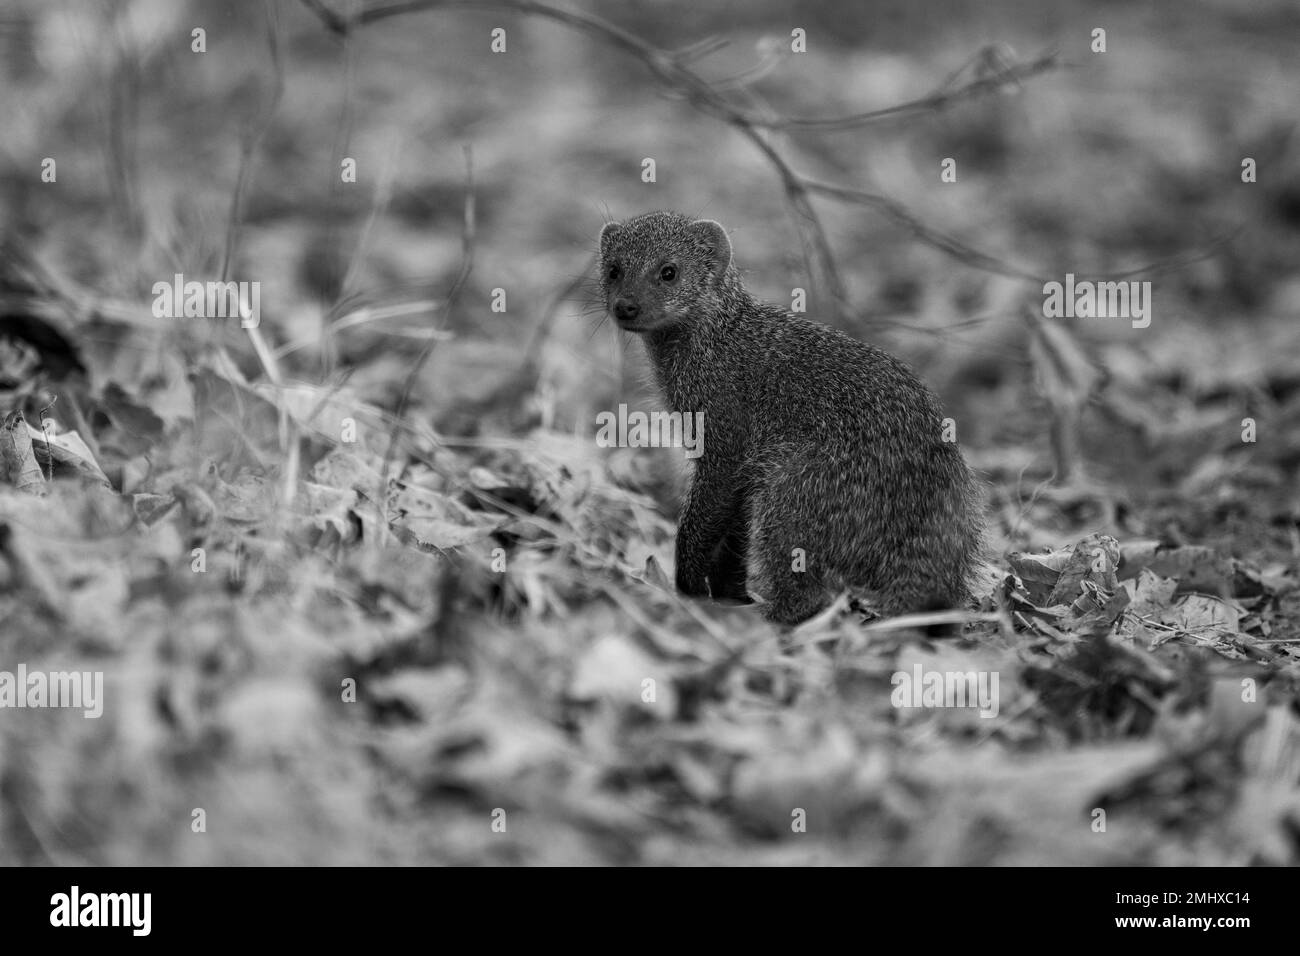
[625, 310]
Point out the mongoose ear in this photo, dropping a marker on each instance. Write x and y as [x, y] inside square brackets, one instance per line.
[607, 234]
[715, 237]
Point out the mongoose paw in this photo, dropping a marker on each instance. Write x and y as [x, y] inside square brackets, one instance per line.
[692, 585]
[731, 589]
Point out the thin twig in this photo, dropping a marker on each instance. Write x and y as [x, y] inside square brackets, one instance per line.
[468, 232]
[252, 139]
[533, 350]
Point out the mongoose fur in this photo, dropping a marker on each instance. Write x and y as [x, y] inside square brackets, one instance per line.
[813, 440]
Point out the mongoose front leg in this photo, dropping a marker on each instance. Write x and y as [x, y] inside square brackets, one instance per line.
[702, 529]
[728, 577]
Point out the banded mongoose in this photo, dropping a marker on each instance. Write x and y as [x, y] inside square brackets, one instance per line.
[812, 440]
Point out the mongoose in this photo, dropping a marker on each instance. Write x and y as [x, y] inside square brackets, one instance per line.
[823, 464]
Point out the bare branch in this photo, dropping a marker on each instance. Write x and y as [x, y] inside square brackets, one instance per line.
[671, 69]
[335, 22]
[935, 102]
[898, 213]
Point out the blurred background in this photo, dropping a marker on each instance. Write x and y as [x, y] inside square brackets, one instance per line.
[481, 694]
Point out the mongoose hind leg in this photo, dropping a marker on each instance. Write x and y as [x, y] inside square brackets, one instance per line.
[795, 600]
[929, 568]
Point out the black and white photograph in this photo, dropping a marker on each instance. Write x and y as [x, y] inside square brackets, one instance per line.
[560, 433]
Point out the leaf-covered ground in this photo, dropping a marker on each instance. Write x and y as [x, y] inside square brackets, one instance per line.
[449, 636]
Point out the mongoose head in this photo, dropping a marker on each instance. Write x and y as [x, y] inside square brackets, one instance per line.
[663, 270]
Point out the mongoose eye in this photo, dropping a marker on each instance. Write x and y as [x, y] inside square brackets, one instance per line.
[613, 272]
[668, 273]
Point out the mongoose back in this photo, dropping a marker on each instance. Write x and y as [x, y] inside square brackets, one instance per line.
[823, 464]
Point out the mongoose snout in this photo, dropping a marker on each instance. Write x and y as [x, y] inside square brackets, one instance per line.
[824, 463]
[626, 310]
